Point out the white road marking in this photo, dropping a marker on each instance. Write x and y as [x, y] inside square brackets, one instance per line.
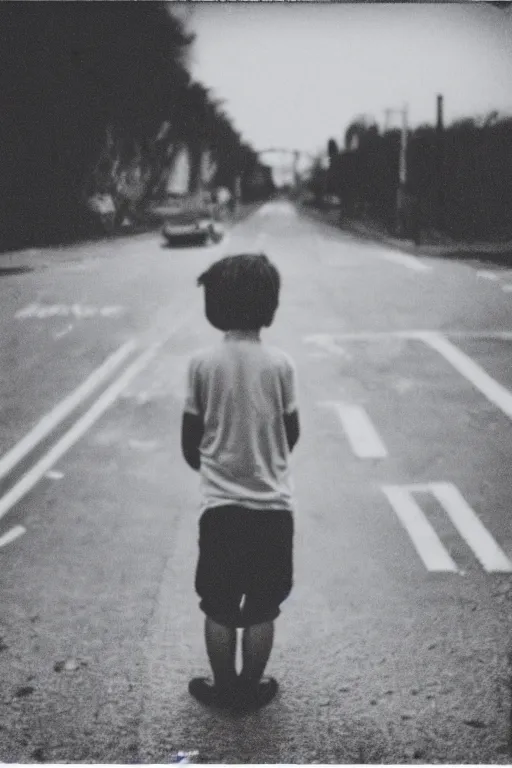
[361, 434]
[12, 535]
[464, 519]
[52, 419]
[43, 311]
[64, 332]
[404, 260]
[84, 423]
[496, 393]
[54, 475]
[470, 527]
[486, 274]
[329, 341]
[507, 287]
[425, 540]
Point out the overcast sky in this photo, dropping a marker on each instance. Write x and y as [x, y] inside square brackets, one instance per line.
[294, 74]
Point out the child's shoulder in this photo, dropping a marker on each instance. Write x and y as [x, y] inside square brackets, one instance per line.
[205, 356]
[278, 356]
[199, 357]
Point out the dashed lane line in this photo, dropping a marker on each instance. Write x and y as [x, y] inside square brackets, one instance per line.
[51, 420]
[361, 434]
[79, 428]
[12, 535]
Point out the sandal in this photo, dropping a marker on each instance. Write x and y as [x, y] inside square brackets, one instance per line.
[204, 690]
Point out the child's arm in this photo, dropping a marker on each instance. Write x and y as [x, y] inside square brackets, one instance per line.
[290, 402]
[291, 425]
[192, 429]
[192, 426]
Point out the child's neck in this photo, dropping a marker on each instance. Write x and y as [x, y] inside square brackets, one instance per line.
[243, 335]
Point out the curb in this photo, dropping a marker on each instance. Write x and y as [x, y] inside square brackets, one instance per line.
[500, 253]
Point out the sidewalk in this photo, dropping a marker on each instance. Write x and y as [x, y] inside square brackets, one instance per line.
[497, 252]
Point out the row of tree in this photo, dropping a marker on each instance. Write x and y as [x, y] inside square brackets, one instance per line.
[97, 98]
[459, 179]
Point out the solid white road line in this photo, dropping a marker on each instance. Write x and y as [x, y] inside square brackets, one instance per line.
[507, 287]
[404, 260]
[470, 527]
[78, 429]
[486, 274]
[496, 393]
[12, 535]
[361, 434]
[324, 339]
[425, 540]
[52, 419]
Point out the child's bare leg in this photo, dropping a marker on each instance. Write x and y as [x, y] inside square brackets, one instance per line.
[257, 642]
[221, 649]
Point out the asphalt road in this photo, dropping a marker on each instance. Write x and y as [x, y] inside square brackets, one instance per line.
[395, 644]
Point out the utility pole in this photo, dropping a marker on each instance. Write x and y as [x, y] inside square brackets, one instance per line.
[440, 164]
[402, 173]
[402, 165]
[387, 115]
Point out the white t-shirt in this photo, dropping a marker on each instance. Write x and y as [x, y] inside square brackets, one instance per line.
[241, 389]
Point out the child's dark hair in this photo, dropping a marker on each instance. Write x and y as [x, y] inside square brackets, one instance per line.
[241, 292]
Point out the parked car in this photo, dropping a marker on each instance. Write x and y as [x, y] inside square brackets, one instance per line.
[194, 225]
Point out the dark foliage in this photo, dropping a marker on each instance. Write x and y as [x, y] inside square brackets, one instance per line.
[85, 90]
[458, 182]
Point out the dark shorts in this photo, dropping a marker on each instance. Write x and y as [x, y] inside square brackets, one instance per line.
[245, 565]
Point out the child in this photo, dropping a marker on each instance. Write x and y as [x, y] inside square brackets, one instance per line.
[239, 424]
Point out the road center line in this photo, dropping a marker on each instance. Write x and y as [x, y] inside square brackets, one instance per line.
[78, 429]
[425, 540]
[493, 391]
[362, 435]
[61, 411]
